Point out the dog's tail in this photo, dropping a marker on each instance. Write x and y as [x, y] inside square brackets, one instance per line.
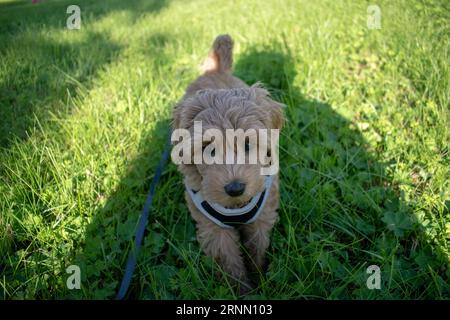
[220, 57]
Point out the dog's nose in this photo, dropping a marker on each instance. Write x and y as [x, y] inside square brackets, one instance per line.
[235, 188]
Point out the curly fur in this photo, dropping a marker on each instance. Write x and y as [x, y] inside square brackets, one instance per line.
[222, 101]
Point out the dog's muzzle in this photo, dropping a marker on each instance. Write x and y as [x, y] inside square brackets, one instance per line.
[229, 218]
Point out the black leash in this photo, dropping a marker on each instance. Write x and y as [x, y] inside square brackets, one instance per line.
[143, 220]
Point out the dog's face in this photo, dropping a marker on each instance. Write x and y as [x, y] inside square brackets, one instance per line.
[230, 185]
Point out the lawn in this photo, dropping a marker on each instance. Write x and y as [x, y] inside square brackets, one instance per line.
[364, 154]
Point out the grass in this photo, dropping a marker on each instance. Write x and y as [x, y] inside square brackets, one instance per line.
[364, 153]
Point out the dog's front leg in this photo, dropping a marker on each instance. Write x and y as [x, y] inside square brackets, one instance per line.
[256, 238]
[223, 245]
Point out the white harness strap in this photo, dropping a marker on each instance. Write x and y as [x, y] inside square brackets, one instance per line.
[227, 218]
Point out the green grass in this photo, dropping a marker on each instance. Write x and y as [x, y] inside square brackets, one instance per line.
[364, 153]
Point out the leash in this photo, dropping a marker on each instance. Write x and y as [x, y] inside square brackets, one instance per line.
[143, 220]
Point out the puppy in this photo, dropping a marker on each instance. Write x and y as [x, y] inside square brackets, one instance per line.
[233, 205]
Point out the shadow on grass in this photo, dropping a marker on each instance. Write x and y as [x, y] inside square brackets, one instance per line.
[41, 73]
[339, 214]
[338, 202]
[110, 235]
[37, 80]
[51, 13]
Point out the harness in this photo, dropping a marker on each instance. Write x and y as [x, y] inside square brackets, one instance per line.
[229, 218]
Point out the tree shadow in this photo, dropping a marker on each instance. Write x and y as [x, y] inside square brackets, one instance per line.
[40, 73]
[340, 211]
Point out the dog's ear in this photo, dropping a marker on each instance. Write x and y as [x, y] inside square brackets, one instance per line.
[184, 114]
[183, 118]
[275, 109]
[276, 113]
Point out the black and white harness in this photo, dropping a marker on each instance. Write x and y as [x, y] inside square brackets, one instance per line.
[229, 218]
